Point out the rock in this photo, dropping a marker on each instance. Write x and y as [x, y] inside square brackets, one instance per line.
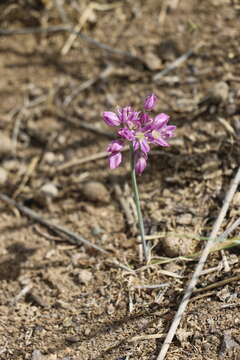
[236, 198]
[73, 339]
[218, 94]
[46, 194]
[152, 61]
[37, 355]
[96, 191]
[3, 176]
[184, 219]
[50, 157]
[49, 189]
[173, 267]
[84, 276]
[6, 145]
[177, 244]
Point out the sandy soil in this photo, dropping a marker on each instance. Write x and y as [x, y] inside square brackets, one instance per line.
[61, 300]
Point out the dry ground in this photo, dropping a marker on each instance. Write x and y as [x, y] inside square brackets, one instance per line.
[63, 301]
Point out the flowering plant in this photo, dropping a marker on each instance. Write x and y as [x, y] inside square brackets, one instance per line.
[140, 130]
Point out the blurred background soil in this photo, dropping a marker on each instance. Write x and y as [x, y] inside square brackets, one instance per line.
[62, 63]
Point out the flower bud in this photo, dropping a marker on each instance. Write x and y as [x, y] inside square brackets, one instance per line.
[150, 102]
[140, 164]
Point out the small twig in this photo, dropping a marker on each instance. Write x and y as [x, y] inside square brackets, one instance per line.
[83, 19]
[124, 205]
[76, 239]
[76, 162]
[130, 303]
[80, 124]
[65, 28]
[22, 293]
[27, 175]
[122, 266]
[225, 261]
[199, 267]
[147, 337]
[176, 63]
[87, 84]
[197, 297]
[72, 237]
[217, 284]
[154, 286]
[61, 11]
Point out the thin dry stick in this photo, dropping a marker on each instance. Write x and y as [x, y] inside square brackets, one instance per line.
[61, 11]
[65, 28]
[93, 157]
[83, 19]
[88, 83]
[87, 13]
[146, 337]
[22, 293]
[77, 239]
[72, 237]
[199, 267]
[30, 170]
[124, 205]
[218, 284]
[80, 124]
[176, 63]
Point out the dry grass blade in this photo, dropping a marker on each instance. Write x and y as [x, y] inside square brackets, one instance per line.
[199, 267]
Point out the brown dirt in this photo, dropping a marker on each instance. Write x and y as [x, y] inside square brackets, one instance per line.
[77, 304]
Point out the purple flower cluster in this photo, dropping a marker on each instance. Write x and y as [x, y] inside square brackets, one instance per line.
[140, 129]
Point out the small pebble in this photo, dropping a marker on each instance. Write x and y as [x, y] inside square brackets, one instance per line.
[3, 176]
[37, 355]
[177, 244]
[184, 219]
[6, 145]
[84, 276]
[152, 61]
[49, 189]
[221, 91]
[50, 158]
[96, 191]
[72, 339]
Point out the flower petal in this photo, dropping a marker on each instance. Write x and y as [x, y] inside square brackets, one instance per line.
[115, 146]
[135, 145]
[144, 146]
[160, 120]
[161, 142]
[126, 134]
[169, 131]
[111, 118]
[115, 160]
[145, 119]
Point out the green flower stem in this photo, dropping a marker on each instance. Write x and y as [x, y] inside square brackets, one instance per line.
[137, 202]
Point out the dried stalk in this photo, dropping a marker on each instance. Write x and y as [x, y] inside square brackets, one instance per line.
[199, 267]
